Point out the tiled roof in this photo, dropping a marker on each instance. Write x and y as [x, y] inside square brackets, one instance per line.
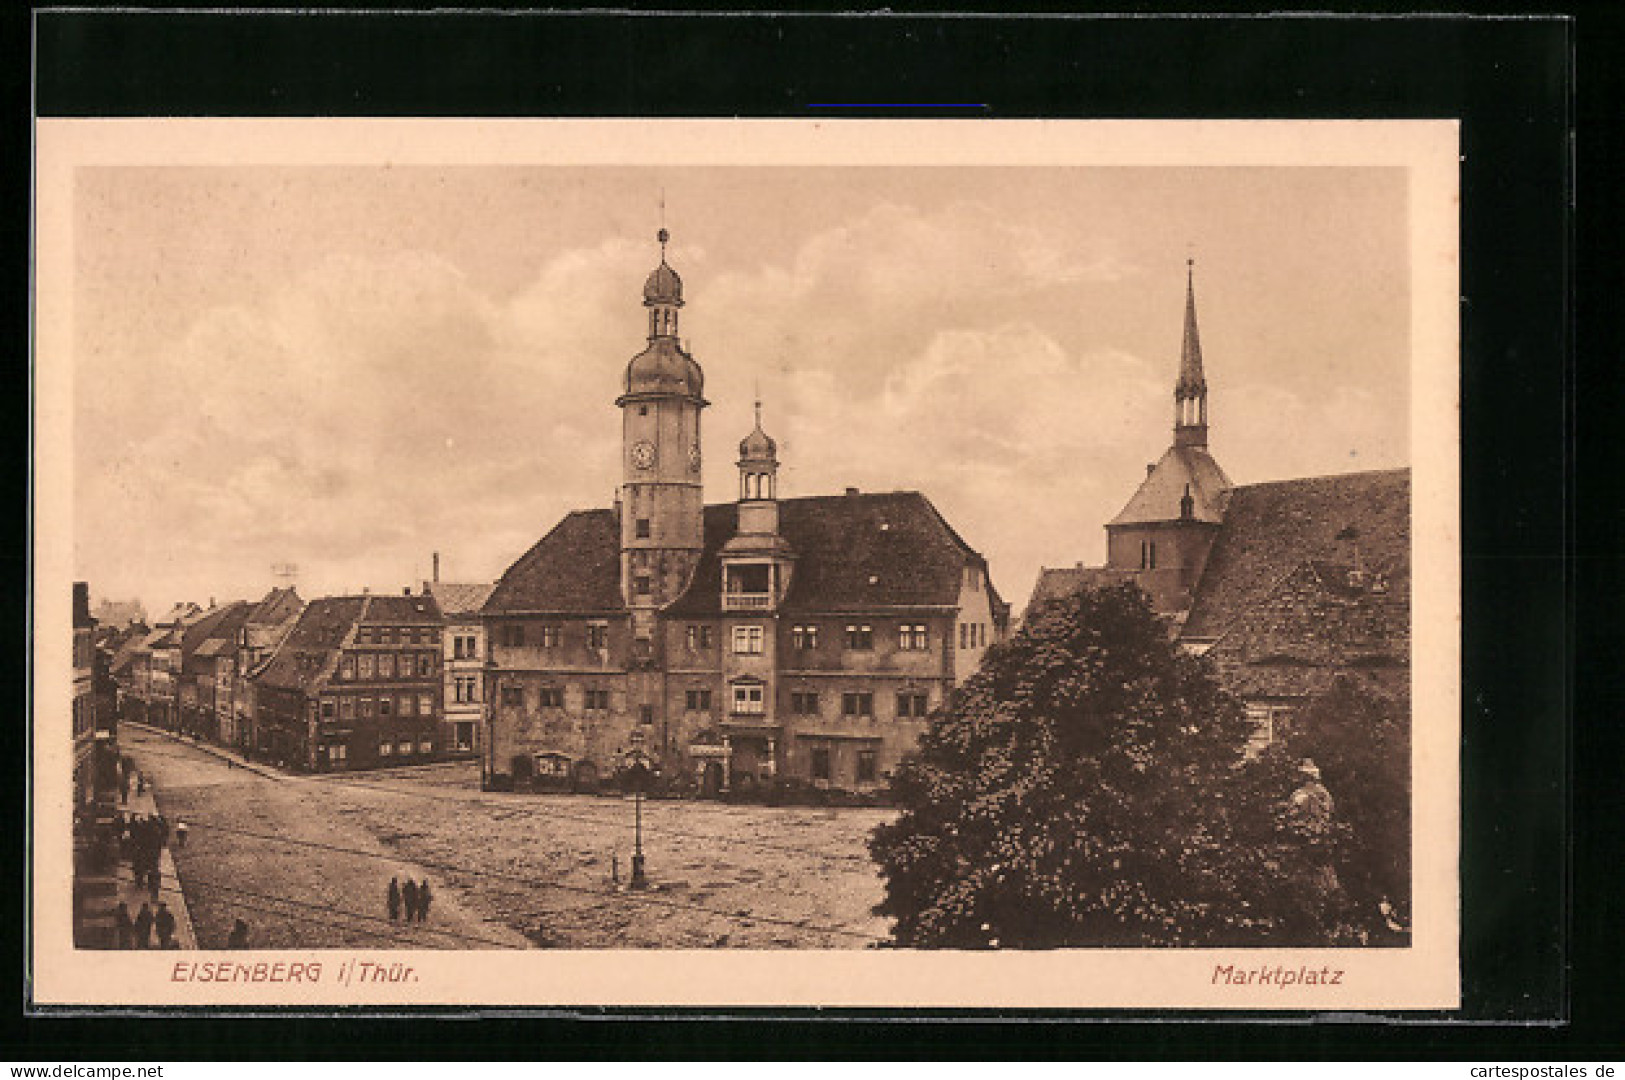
[387, 608]
[217, 624]
[852, 553]
[275, 607]
[1061, 582]
[1320, 621]
[459, 599]
[1158, 498]
[1271, 529]
[311, 647]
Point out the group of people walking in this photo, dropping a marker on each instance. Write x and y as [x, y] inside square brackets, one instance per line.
[142, 839]
[137, 933]
[411, 899]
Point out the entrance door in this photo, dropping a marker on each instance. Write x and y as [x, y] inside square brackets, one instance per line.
[711, 780]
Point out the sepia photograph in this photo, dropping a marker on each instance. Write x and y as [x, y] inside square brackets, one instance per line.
[908, 563]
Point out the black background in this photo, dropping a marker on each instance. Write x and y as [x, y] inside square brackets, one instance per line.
[1538, 964]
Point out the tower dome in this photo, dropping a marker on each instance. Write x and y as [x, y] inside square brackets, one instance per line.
[664, 368]
[758, 445]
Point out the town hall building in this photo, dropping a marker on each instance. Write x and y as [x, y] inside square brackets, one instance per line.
[733, 644]
[1286, 585]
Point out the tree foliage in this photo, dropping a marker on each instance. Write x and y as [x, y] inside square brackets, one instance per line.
[1362, 743]
[1087, 787]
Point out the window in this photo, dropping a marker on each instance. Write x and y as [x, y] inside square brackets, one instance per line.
[912, 637]
[643, 528]
[513, 634]
[366, 706]
[465, 736]
[347, 667]
[513, 695]
[866, 766]
[364, 661]
[386, 635]
[858, 704]
[386, 748]
[338, 752]
[698, 701]
[1148, 554]
[328, 708]
[405, 747]
[912, 705]
[386, 666]
[551, 636]
[597, 636]
[462, 689]
[597, 700]
[820, 763]
[804, 702]
[860, 637]
[804, 637]
[748, 640]
[409, 705]
[552, 697]
[426, 664]
[1263, 718]
[346, 708]
[643, 585]
[386, 705]
[699, 637]
[426, 747]
[464, 647]
[363, 635]
[748, 699]
[646, 714]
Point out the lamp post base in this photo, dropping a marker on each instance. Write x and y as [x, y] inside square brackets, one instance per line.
[638, 880]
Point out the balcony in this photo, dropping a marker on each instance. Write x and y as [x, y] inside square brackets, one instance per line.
[741, 601]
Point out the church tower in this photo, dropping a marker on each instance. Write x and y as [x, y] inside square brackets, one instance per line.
[1190, 392]
[662, 502]
[1164, 533]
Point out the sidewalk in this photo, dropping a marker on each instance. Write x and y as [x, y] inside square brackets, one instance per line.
[231, 757]
[170, 888]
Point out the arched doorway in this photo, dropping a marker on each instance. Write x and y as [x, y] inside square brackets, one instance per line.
[586, 776]
[711, 780]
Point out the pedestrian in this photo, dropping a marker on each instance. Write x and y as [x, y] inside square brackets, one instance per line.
[239, 936]
[123, 788]
[125, 925]
[155, 876]
[143, 927]
[180, 834]
[164, 923]
[409, 896]
[423, 900]
[393, 901]
[140, 783]
[161, 828]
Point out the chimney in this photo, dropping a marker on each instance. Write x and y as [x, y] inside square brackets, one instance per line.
[437, 568]
[851, 491]
[406, 590]
[1150, 467]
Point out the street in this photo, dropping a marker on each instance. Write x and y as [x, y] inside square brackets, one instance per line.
[307, 862]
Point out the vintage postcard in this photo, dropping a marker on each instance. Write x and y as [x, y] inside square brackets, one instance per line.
[916, 564]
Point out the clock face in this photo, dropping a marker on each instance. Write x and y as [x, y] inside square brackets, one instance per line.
[693, 459]
[643, 455]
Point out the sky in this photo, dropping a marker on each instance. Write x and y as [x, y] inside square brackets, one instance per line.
[350, 368]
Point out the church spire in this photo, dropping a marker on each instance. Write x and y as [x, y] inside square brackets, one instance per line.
[1190, 392]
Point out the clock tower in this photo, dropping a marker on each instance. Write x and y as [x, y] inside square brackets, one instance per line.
[662, 502]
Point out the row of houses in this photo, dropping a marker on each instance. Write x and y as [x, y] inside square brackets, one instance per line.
[339, 682]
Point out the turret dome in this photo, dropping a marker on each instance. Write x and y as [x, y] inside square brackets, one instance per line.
[758, 445]
[663, 286]
[664, 368]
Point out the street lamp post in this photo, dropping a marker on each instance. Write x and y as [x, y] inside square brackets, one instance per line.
[637, 775]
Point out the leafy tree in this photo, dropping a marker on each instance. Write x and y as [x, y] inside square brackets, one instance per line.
[1086, 787]
[1362, 744]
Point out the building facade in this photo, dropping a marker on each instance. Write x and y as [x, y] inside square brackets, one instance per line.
[355, 685]
[462, 658]
[267, 625]
[1287, 585]
[736, 644]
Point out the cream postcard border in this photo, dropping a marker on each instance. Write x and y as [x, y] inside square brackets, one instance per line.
[1424, 976]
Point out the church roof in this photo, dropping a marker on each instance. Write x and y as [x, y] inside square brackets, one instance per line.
[1271, 529]
[858, 552]
[1182, 467]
